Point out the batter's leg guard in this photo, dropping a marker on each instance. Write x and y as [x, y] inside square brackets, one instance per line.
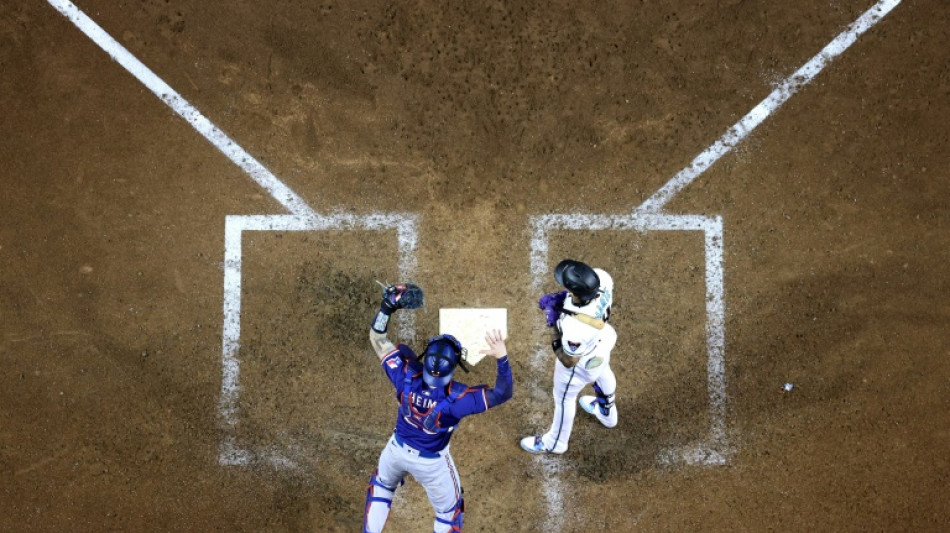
[379, 499]
[451, 520]
[604, 401]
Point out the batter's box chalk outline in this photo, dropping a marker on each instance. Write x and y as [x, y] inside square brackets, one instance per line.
[303, 218]
[712, 449]
[406, 227]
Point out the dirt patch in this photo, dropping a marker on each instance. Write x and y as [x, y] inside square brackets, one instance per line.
[474, 118]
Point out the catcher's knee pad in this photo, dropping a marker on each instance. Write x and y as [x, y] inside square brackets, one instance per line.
[374, 481]
[451, 520]
[379, 499]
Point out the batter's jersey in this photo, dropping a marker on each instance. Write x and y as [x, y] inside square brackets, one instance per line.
[601, 352]
[423, 399]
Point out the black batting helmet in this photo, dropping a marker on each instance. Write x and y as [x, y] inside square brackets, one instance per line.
[578, 278]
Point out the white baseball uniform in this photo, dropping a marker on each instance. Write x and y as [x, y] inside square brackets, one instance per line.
[568, 383]
[591, 348]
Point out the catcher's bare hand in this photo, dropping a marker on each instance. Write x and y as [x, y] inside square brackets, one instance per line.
[496, 344]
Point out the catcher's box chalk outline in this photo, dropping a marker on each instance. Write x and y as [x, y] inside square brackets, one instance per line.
[303, 218]
[232, 452]
[648, 217]
[714, 449]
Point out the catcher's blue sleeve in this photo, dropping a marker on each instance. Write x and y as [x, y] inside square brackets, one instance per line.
[397, 363]
[480, 398]
[504, 384]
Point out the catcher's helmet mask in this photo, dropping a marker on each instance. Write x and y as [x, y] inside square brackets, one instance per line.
[578, 278]
[439, 359]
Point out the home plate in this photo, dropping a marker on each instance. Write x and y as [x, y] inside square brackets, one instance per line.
[469, 327]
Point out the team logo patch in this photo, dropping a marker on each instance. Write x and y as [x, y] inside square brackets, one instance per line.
[593, 362]
[392, 362]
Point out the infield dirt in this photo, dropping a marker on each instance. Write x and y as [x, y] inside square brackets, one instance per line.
[475, 117]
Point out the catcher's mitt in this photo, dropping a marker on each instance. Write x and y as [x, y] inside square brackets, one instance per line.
[402, 296]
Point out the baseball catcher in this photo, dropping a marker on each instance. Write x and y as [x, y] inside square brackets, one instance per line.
[431, 405]
[582, 341]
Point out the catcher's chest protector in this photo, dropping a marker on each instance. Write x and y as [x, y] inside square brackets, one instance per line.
[431, 422]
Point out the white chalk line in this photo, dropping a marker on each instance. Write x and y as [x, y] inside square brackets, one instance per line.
[406, 228]
[289, 199]
[714, 449]
[765, 108]
[303, 219]
[184, 109]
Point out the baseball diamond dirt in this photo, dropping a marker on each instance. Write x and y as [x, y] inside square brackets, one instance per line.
[150, 382]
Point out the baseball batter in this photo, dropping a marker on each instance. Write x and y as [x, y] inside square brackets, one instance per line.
[431, 405]
[582, 341]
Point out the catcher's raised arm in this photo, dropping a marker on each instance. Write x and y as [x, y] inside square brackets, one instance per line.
[395, 297]
[432, 404]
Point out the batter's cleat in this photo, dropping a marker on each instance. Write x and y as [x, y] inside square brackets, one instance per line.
[589, 404]
[534, 445]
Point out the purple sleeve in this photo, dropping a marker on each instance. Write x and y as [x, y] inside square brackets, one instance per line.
[552, 304]
[474, 401]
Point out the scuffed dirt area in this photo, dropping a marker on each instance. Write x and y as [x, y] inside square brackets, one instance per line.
[475, 118]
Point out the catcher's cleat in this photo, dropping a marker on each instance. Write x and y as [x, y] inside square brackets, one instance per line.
[590, 404]
[533, 444]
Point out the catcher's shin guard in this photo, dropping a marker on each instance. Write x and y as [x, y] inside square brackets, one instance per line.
[379, 499]
[451, 520]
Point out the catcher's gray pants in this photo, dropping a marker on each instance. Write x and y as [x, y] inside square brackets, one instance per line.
[437, 475]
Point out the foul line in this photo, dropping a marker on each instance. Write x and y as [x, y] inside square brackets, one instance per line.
[303, 218]
[185, 110]
[649, 216]
[766, 107]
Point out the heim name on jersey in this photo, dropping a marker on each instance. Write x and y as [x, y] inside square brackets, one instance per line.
[421, 402]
